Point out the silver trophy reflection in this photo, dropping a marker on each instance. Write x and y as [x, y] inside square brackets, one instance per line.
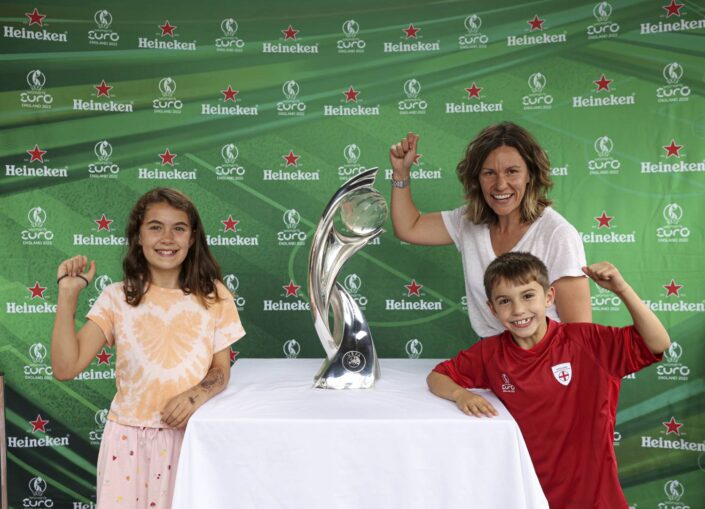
[354, 216]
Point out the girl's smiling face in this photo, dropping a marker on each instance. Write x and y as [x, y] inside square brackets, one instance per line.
[165, 237]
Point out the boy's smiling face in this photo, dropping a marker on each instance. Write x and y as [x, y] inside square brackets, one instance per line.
[521, 307]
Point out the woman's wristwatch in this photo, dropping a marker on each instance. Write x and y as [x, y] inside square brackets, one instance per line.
[400, 184]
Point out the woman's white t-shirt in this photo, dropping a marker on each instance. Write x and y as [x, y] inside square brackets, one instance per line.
[551, 238]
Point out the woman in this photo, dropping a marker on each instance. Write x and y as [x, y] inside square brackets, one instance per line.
[506, 176]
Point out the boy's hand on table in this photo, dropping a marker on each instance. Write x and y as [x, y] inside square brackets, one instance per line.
[473, 404]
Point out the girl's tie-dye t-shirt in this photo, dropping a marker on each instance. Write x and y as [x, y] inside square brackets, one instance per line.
[164, 346]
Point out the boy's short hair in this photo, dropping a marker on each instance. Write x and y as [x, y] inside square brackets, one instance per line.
[517, 268]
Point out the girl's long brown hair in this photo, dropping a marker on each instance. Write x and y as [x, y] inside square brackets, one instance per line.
[199, 271]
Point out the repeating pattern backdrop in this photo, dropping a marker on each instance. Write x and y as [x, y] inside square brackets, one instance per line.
[260, 110]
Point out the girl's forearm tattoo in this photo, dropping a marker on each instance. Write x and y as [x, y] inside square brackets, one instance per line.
[214, 378]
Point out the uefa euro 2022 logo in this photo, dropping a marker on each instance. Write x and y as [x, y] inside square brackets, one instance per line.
[229, 42]
[291, 235]
[473, 38]
[37, 217]
[37, 487]
[414, 348]
[103, 167]
[351, 154]
[103, 150]
[674, 490]
[673, 354]
[674, 91]
[38, 352]
[229, 27]
[672, 231]
[103, 35]
[353, 284]
[38, 369]
[291, 348]
[351, 43]
[103, 19]
[604, 163]
[291, 105]
[229, 153]
[602, 28]
[101, 419]
[37, 234]
[291, 90]
[232, 283]
[36, 80]
[537, 100]
[102, 282]
[230, 169]
[413, 104]
[36, 96]
[291, 219]
[167, 86]
[167, 102]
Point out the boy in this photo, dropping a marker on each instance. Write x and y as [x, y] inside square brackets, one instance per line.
[559, 381]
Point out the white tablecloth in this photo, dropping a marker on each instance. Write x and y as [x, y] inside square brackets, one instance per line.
[271, 441]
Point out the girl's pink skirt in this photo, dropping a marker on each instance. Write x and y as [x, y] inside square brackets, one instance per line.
[137, 466]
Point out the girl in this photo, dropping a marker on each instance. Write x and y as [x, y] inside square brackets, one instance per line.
[172, 321]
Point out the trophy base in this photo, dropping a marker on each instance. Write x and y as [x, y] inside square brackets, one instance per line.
[349, 370]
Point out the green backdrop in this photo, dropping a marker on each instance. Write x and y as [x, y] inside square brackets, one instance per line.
[268, 107]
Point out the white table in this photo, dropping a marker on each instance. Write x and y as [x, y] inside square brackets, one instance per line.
[271, 441]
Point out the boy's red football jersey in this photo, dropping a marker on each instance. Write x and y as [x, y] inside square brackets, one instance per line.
[563, 394]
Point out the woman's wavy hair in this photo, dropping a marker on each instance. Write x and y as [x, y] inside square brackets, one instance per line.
[199, 271]
[508, 134]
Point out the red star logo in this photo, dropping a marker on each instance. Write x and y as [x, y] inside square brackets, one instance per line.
[167, 157]
[673, 149]
[230, 224]
[37, 291]
[672, 9]
[602, 84]
[673, 288]
[416, 159]
[229, 94]
[37, 154]
[411, 31]
[36, 19]
[167, 29]
[103, 357]
[604, 221]
[473, 91]
[233, 355]
[413, 288]
[672, 426]
[39, 424]
[290, 33]
[291, 159]
[536, 23]
[103, 223]
[103, 89]
[291, 289]
[351, 94]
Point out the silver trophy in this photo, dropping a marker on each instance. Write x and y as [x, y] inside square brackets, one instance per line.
[354, 216]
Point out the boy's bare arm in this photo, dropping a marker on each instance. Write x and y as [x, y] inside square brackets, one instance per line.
[646, 322]
[468, 402]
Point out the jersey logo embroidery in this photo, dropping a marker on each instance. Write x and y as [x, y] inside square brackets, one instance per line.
[563, 373]
[507, 386]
